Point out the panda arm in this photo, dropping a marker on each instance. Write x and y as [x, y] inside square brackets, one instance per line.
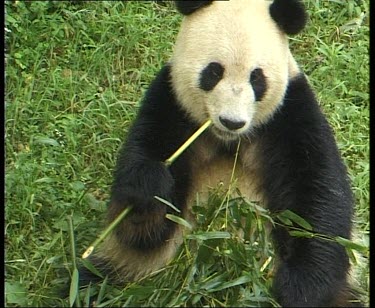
[303, 172]
[140, 174]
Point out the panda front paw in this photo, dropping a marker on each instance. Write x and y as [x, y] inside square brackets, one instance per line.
[146, 226]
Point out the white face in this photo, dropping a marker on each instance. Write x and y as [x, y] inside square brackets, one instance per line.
[231, 65]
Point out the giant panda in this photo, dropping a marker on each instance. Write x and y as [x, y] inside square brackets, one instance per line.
[231, 64]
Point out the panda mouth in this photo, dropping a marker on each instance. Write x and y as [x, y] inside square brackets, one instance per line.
[226, 134]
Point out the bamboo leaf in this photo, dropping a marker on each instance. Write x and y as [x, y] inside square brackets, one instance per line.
[92, 268]
[166, 202]
[235, 282]
[298, 233]
[179, 221]
[296, 218]
[349, 244]
[209, 235]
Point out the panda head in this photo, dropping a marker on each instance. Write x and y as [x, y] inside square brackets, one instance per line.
[231, 62]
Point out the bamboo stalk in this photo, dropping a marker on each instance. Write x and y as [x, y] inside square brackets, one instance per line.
[105, 233]
[168, 162]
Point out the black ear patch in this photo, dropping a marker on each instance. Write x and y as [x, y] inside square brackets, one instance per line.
[290, 15]
[188, 7]
[210, 76]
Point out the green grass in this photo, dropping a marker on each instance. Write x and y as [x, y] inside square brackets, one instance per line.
[75, 72]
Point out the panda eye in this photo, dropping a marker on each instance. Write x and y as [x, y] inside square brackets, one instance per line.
[210, 76]
[258, 82]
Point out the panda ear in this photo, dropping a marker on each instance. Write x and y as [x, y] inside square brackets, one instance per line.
[188, 7]
[290, 15]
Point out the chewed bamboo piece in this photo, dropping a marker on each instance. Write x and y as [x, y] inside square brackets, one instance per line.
[125, 212]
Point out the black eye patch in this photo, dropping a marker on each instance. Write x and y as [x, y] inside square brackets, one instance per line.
[210, 76]
[258, 82]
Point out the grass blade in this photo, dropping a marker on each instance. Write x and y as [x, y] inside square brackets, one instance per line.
[74, 285]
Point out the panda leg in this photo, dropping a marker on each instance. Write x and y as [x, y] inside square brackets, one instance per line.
[311, 272]
[140, 245]
[125, 264]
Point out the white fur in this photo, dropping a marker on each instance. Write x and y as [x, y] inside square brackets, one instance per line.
[242, 36]
[130, 264]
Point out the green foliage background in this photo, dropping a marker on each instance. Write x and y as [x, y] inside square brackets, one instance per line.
[75, 72]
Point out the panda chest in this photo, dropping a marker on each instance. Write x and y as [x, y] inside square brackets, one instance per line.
[213, 172]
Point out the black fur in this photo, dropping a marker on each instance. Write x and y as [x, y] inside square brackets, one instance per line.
[160, 128]
[303, 172]
[188, 7]
[290, 15]
[258, 82]
[210, 76]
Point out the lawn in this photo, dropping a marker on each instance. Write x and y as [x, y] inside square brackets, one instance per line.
[75, 73]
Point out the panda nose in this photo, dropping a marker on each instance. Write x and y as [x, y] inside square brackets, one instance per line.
[230, 124]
